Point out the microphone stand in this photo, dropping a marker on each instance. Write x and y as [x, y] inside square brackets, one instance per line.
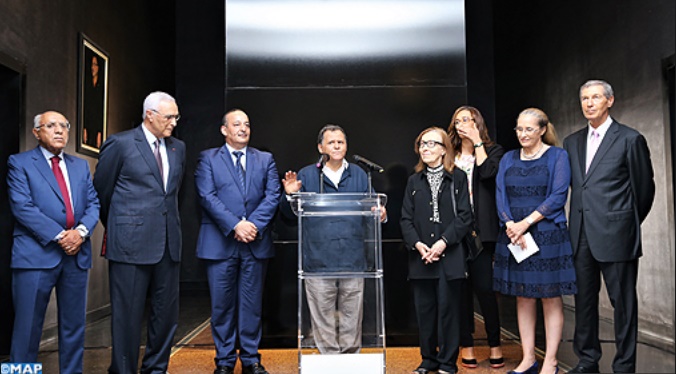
[370, 182]
[321, 179]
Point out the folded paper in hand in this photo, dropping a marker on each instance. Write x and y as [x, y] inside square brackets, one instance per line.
[521, 254]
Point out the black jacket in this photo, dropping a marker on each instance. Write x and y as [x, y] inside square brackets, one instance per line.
[417, 225]
[483, 183]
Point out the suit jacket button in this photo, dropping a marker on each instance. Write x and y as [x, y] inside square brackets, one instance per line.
[164, 213]
[432, 235]
[431, 219]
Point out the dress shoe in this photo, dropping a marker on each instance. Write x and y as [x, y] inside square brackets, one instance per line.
[531, 370]
[581, 368]
[254, 369]
[224, 370]
[422, 370]
[469, 363]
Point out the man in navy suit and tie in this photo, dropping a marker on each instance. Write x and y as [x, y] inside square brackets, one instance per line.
[239, 192]
[138, 178]
[612, 191]
[55, 205]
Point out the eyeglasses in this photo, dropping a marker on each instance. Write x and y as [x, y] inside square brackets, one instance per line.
[594, 98]
[52, 125]
[168, 117]
[429, 143]
[527, 130]
[460, 121]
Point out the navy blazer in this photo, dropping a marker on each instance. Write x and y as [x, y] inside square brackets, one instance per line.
[224, 203]
[615, 195]
[37, 204]
[141, 219]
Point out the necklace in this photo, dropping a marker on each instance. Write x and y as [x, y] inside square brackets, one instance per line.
[527, 157]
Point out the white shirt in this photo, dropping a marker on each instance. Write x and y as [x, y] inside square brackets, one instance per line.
[163, 152]
[601, 130]
[234, 158]
[334, 176]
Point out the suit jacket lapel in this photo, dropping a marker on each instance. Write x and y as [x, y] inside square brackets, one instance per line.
[171, 159]
[147, 154]
[47, 173]
[250, 167]
[582, 152]
[230, 166]
[606, 143]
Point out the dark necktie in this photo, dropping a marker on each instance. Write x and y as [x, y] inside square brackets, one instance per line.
[70, 218]
[240, 170]
[158, 158]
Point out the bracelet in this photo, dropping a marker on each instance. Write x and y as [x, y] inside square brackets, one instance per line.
[477, 145]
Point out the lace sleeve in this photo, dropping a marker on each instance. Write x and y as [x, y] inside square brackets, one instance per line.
[559, 181]
[501, 199]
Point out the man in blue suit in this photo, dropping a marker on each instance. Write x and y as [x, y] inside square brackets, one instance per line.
[55, 205]
[239, 192]
[138, 178]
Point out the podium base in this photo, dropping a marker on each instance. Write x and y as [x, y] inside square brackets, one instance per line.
[343, 363]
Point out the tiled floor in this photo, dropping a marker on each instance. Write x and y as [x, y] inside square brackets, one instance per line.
[194, 350]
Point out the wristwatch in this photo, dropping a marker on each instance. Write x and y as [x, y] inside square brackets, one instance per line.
[479, 144]
[530, 221]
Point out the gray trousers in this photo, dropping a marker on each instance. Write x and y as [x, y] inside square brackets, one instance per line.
[336, 311]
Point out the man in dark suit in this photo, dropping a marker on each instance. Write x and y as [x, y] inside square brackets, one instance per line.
[138, 178]
[612, 193]
[239, 192]
[55, 205]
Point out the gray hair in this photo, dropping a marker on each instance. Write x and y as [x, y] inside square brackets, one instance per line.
[329, 127]
[153, 100]
[36, 121]
[607, 89]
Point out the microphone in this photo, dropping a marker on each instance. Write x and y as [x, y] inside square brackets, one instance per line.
[370, 164]
[322, 159]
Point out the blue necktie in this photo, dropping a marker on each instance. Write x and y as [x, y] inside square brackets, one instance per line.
[240, 170]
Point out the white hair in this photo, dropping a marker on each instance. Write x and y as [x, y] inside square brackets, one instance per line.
[153, 100]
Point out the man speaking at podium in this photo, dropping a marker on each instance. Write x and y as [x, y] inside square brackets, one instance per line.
[334, 245]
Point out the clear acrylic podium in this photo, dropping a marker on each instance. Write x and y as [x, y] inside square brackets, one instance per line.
[341, 324]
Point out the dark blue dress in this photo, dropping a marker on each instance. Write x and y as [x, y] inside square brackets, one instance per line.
[523, 186]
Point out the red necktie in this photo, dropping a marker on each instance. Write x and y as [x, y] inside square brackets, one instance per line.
[70, 219]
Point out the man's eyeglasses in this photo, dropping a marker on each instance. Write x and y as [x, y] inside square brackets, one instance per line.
[429, 143]
[52, 125]
[527, 130]
[460, 121]
[168, 117]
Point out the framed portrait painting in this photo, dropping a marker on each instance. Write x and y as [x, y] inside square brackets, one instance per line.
[92, 115]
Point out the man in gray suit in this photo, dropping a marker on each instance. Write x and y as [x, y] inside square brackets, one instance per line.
[612, 192]
[138, 178]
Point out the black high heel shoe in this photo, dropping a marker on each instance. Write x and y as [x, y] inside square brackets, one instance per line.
[533, 369]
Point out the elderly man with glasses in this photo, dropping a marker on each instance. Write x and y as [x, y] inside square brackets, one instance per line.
[138, 179]
[53, 200]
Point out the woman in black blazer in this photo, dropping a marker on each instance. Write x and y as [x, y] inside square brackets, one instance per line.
[435, 216]
[479, 157]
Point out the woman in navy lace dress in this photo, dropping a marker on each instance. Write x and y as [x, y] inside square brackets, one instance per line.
[531, 193]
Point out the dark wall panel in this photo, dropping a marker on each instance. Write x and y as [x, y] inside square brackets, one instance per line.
[345, 43]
